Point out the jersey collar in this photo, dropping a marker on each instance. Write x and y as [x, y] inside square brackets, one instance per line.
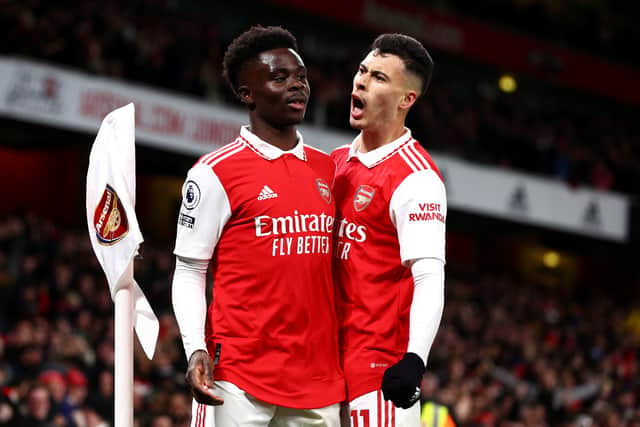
[268, 151]
[372, 158]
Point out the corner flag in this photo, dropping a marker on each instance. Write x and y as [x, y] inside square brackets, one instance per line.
[111, 218]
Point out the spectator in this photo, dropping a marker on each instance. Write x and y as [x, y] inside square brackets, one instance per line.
[37, 409]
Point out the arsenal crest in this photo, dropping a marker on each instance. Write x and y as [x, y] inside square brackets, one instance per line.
[324, 190]
[363, 197]
[110, 218]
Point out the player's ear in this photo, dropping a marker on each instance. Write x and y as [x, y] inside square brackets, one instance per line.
[244, 93]
[408, 99]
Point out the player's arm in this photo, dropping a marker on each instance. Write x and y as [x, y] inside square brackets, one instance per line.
[427, 305]
[203, 214]
[188, 294]
[418, 208]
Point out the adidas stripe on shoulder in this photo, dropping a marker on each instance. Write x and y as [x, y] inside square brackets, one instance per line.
[413, 158]
[220, 154]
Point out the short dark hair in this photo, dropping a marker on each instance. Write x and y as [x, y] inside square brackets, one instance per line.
[415, 57]
[250, 44]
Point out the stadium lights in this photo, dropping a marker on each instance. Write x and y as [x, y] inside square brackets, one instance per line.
[551, 259]
[507, 83]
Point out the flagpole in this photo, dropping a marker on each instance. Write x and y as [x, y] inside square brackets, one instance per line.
[123, 349]
[115, 237]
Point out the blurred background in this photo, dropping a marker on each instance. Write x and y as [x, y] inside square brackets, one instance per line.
[532, 117]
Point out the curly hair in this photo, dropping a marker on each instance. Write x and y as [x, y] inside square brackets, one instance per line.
[250, 44]
[415, 57]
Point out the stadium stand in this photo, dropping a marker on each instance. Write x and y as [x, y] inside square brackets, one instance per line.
[601, 27]
[585, 141]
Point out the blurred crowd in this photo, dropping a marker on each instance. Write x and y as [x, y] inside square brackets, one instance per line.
[512, 354]
[508, 354]
[56, 333]
[607, 28]
[169, 45]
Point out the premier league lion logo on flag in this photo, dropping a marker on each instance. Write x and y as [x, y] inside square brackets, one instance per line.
[363, 197]
[110, 219]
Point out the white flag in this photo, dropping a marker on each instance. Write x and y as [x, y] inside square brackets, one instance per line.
[111, 217]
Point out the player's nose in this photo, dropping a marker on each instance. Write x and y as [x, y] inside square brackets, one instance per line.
[359, 82]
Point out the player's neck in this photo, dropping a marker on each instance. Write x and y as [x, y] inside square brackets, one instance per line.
[285, 138]
[370, 139]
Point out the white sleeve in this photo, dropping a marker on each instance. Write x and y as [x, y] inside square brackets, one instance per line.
[418, 209]
[427, 305]
[188, 295]
[203, 214]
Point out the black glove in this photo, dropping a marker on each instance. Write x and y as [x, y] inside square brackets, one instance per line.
[401, 382]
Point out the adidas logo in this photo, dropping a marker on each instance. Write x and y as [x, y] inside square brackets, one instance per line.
[267, 193]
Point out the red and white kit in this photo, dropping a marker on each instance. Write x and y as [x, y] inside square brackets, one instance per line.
[266, 219]
[391, 209]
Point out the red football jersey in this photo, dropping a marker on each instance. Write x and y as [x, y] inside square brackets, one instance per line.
[266, 218]
[391, 209]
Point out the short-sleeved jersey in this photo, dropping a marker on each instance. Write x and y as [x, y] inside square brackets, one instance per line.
[390, 210]
[266, 218]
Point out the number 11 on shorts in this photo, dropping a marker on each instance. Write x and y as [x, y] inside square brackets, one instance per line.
[356, 415]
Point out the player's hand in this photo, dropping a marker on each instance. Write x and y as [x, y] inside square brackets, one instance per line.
[200, 378]
[401, 382]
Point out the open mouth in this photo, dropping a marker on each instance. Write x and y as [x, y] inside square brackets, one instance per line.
[297, 103]
[357, 106]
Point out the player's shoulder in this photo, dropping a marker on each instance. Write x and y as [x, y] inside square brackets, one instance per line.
[320, 161]
[340, 152]
[414, 158]
[314, 153]
[225, 154]
[343, 149]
